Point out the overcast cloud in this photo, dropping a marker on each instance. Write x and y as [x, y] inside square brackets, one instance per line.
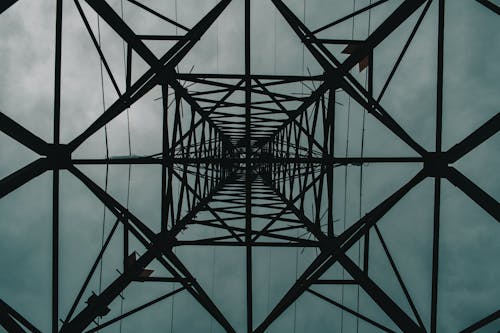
[469, 264]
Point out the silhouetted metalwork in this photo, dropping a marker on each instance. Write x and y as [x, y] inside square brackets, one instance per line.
[239, 168]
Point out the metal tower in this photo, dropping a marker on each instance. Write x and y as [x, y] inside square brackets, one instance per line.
[248, 163]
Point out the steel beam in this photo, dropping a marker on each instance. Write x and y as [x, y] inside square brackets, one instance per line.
[161, 70]
[490, 5]
[12, 321]
[6, 5]
[55, 176]
[483, 133]
[22, 176]
[338, 74]
[158, 246]
[333, 250]
[248, 172]
[22, 135]
[483, 199]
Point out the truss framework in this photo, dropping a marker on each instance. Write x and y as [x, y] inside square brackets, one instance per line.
[249, 172]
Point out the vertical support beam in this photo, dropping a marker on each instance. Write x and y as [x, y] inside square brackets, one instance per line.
[435, 253]
[366, 242]
[126, 251]
[248, 171]
[55, 250]
[330, 118]
[165, 149]
[128, 77]
[439, 93]
[437, 181]
[55, 179]
[128, 83]
[157, 246]
[22, 135]
[334, 250]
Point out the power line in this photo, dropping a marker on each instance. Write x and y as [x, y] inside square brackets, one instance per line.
[107, 155]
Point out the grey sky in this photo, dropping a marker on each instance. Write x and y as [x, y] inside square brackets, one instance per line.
[470, 249]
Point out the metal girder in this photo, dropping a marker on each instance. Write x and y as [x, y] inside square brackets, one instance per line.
[162, 70]
[22, 135]
[98, 305]
[182, 92]
[337, 75]
[474, 192]
[255, 160]
[9, 324]
[490, 5]
[22, 176]
[333, 250]
[55, 173]
[483, 133]
[158, 245]
[345, 308]
[231, 157]
[437, 180]
[13, 322]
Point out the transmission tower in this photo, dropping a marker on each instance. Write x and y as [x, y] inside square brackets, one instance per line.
[249, 161]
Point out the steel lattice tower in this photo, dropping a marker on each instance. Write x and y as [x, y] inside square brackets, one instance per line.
[245, 156]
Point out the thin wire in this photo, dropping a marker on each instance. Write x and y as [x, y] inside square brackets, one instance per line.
[212, 287]
[173, 284]
[270, 248]
[129, 149]
[107, 156]
[275, 40]
[297, 249]
[217, 46]
[345, 176]
[102, 87]
[269, 280]
[361, 173]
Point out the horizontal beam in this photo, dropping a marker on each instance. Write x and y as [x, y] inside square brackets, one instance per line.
[337, 75]
[162, 69]
[311, 244]
[334, 249]
[192, 76]
[158, 246]
[354, 313]
[257, 160]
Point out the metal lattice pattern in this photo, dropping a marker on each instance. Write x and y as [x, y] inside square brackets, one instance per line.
[244, 155]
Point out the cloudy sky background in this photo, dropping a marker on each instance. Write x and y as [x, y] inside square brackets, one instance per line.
[469, 237]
